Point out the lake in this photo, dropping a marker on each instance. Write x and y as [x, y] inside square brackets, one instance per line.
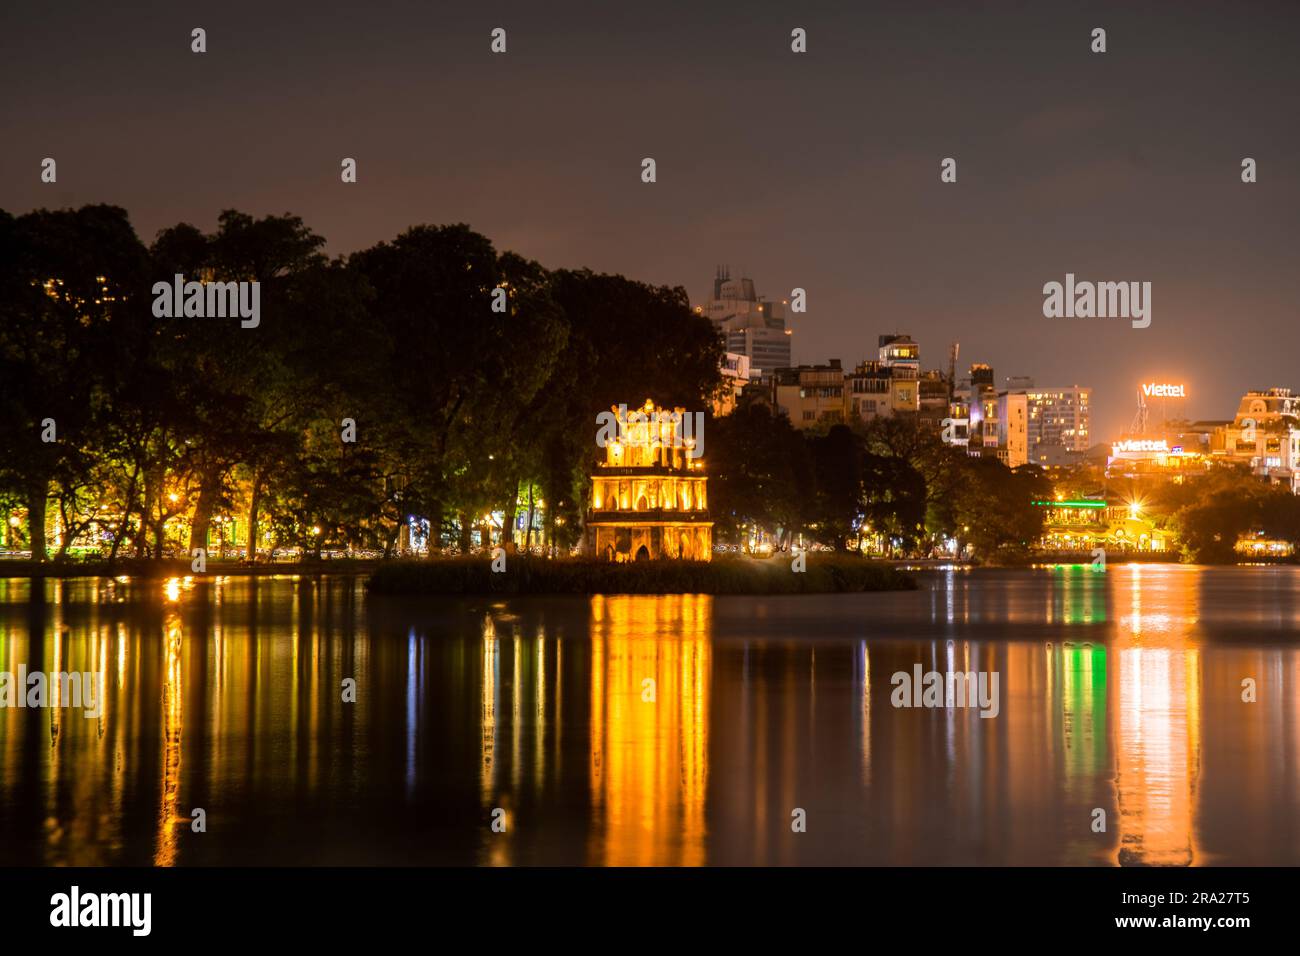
[657, 730]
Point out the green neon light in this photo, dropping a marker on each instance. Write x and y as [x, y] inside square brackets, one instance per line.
[1086, 503]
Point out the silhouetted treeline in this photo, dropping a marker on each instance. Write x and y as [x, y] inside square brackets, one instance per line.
[892, 482]
[121, 420]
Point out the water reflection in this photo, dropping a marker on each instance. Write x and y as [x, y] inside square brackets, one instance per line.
[1159, 717]
[650, 673]
[679, 730]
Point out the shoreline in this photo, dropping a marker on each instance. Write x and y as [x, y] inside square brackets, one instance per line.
[634, 576]
[181, 568]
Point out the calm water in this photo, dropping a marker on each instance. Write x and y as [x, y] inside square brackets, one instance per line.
[1119, 691]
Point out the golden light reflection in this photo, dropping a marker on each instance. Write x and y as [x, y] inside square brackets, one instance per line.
[650, 673]
[488, 711]
[173, 692]
[1158, 714]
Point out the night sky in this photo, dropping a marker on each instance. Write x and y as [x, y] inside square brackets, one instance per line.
[818, 170]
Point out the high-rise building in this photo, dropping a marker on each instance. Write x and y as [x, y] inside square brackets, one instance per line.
[1058, 421]
[1013, 428]
[749, 324]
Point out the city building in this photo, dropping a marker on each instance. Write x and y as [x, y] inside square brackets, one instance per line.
[892, 384]
[981, 397]
[870, 392]
[811, 395]
[1013, 428]
[1169, 448]
[1059, 429]
[1085, 523]
[649, 497]
[749, 324]
[735, 376]
[1264, 436]
[932, 393]
[899, 350]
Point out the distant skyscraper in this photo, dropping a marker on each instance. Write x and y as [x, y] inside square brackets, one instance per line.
[749, 324]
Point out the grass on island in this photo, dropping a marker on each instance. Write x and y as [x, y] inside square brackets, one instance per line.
[178, 567]
[825, 574]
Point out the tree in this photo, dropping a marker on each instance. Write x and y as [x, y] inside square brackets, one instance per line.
[994, 506]
[760, 474]
[68, 282]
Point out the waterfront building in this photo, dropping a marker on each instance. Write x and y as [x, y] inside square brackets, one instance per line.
[649, 497]
[1085, 523]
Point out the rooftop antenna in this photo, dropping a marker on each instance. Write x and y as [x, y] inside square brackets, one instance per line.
[952, 369]
[1139, 426]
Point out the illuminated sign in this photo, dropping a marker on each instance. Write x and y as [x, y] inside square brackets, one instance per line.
[1154, 390]
[1140, 445]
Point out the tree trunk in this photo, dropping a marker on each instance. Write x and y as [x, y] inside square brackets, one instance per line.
[465, 530]
[128, 503]
[508, 519]
[66, 532]
[159, 537]
[202, 522]
[146, 517]
[36, 498]
[254, 503]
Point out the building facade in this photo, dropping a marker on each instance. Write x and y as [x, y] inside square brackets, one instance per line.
[1013, 427]
[1265, 436]
[811, 395]
[1058, 417]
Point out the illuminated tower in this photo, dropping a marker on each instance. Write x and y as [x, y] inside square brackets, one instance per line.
[649, 497]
